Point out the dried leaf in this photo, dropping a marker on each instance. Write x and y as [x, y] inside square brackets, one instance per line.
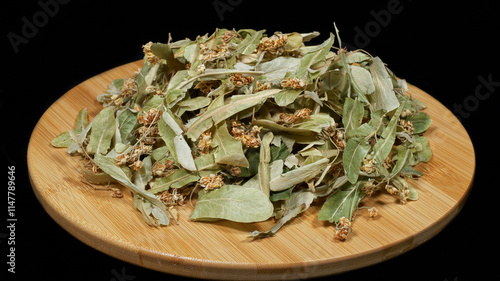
[102, 132]
[234, 203]
[384, 96]
[342, 203]
[228, 150]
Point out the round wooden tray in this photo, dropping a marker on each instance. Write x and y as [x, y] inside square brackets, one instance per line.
[303, 248]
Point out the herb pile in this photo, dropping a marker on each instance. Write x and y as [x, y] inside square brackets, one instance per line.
[259, 125]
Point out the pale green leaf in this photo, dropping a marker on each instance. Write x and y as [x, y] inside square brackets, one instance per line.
[250, 42]
[143, 175]
[363, 79]
[354, 153]
[384, 144]
[64, 139]
[228, 150]
[214, 115]
[293, 42]
[314, 56]
[264, 171]
[179, 178]
[352, 115]
[194, 103]
[107, 164]
[384, 96]
[343, 202]
[287, 96]
[276, 69]
[298, 203]
[102, 132]
[296, 176]
[234, 203]
[421, 122]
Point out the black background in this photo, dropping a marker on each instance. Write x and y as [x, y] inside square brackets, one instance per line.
[442, 47]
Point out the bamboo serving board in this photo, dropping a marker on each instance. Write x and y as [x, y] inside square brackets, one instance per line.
[303, 248]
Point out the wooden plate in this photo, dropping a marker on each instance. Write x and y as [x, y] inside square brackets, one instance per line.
[303, 248]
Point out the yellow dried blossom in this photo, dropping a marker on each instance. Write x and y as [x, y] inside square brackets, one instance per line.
[273, 45]
[137, 165]
[369, 165]
[372, 212]
[129, 88]
[172, 197]
[289, 119]
[248, 138]
[343, 229]
[122, 159]
[239, 81]
[150, 117]
[391, 189]
[261, 87]
[404, 195]
[150, 57]
[407, 126]
[218, 52]
[211, 181]
[204, 145]
[294, 83]
[116, 193]
[369, 188]
[163, 169]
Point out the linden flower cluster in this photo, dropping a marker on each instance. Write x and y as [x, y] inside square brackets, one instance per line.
[294, 83]
[205, 144]
[211, 181]
[133, 158]
[287, 119]
[239, 81]
[250, 137]
[273, 45]
[344, 227]
[150, 57]
[129, 88]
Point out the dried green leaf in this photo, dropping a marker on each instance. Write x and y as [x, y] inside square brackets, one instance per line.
[214, 115]
[354, 153]
[250, 41]
[102, 132]
[352, 115]
[384, 96]
[179, 178]
[228, 150]
[314, 56]
[298, 203]
[421, 122]
[342, 203]
[234, 203]
[287, 96]
[384, 144]
[296, 176]
[264, 171]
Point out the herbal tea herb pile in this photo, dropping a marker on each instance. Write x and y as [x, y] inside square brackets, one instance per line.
[260, 125]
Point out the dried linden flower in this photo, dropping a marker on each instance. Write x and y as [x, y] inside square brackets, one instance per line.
[294, 83]
[211, 181]
[273, 45]
[372, 212]
[344, 227]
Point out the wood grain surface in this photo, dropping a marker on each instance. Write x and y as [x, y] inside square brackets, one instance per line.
[303, 248]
